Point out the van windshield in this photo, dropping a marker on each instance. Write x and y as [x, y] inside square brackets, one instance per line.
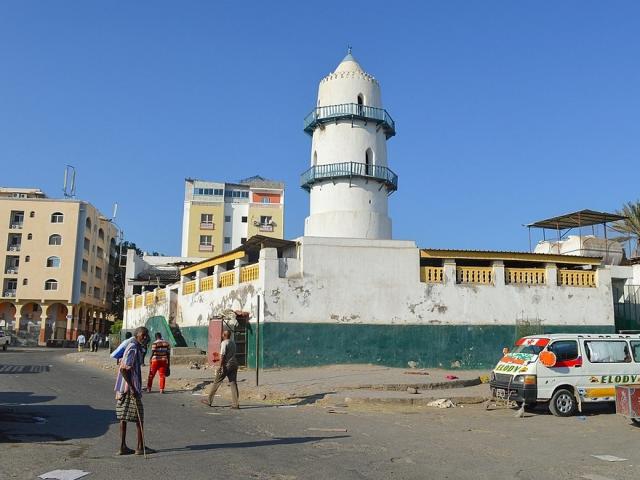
[532, 349]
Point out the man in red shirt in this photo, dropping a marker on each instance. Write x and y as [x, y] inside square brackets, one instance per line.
[160, 351]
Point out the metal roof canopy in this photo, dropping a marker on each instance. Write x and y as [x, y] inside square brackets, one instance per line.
[253, 244]
[582, 218]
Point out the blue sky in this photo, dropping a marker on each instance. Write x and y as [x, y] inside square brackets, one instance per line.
[506, 112]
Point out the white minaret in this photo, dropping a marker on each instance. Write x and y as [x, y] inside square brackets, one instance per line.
[349, 180]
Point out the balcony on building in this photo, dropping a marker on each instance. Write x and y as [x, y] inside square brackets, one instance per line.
[14, 242]
[350, 111]
[207, 226]
[16, 220]
[349, 170]
[205, 247]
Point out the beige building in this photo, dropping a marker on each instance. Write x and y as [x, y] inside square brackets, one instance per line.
[219, 217]
[56, 266]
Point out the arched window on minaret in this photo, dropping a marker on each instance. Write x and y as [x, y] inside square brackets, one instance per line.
[360, 104]
[368, 162]
[315, 158]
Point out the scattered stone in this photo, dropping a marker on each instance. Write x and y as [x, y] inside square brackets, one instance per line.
[64, 474]
[609, 458]
[412, 390]
[420, 372]
[412, 364]
[327, 429]
[194, 366]
[441, 403]
[456, 364]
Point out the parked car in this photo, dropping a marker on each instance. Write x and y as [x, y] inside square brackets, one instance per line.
[5, 340]
[565, 370]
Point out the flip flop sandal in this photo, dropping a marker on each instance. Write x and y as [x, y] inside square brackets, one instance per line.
[147, 450]
[127, 451]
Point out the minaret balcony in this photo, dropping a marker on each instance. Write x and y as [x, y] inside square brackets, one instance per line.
[349, 170]
[350, 111]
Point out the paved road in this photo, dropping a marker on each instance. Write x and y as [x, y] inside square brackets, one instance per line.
[57, 415]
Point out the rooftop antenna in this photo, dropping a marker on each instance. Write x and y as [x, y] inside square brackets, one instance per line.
[69, 186]
[115, 211]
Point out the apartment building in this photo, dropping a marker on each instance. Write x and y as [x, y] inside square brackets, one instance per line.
[57, 260]
[219, 216]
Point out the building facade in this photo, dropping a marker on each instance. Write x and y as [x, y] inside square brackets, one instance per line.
[57, 266]
[219, 217]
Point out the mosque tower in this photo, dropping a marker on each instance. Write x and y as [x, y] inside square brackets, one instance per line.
[349, 180]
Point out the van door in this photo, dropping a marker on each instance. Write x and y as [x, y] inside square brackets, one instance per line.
[608, 363]
[566, 371]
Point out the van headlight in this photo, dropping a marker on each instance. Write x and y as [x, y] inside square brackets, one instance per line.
[525, 379]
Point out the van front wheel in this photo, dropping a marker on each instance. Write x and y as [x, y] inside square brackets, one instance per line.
[563, 403]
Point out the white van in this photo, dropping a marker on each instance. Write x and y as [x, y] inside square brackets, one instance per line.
[565, 369]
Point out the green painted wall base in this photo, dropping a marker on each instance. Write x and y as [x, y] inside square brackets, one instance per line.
[196, 337]
[430, 346]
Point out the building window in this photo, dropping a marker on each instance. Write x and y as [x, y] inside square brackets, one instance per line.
[243, 240]
[27, 258]
[206, 221]
[100, 252]
[51, 284]
[29, 236]
[85, 265]
[266, 199]
[25, 281]
[237, 193]
[98, 272]
[227, 218]
[96, 292]
[57, 217]
[32, 214]
[101, 234]
[83, 288]
[55, 239]
[368, 161]
[87, 244]
[315, 159]
[227, 240]
[53, 262]
[88, 224]
[244, 219]
[205, 243]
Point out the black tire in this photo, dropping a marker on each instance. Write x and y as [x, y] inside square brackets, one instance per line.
[563, 403]
[636, 422]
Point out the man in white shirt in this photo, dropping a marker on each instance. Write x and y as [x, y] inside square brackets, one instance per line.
[81, 342]
[228, 369]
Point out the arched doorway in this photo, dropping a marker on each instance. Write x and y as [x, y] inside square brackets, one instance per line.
[56, 321]
[368, 161]
[28, 329]
[7, 316]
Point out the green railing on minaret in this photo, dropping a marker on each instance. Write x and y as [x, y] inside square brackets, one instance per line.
[352, 111]
[349, 170]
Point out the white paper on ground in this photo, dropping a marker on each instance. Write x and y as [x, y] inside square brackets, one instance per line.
[64, 474]
[609, 458]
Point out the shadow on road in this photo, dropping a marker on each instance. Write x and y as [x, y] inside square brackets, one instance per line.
[253, 444]
[19, 369]
[26, 418]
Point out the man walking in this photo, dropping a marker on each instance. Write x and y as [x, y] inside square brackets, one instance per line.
[93, 342]
[159, 361]
[128, 390]
[81, 342]
[228, 368]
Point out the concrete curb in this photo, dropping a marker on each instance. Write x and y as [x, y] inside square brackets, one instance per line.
[414, 402]
[401, 387]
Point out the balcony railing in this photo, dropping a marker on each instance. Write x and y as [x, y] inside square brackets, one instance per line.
[207, 226]
[249, 273]
[189, 287]
[431, 274]
[16, 226]
[227, 279]
[525, 276]
[205, 248]
[149, 299]
[9, 294]
[576, 278]
[161, 296]
[206, 283]
[349, 170]
[11, 270]
[14, 248]
[352, 111]
[478, 275]
[138, 301]
[265, 228]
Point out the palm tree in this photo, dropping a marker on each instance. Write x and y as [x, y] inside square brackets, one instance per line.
[631, 224]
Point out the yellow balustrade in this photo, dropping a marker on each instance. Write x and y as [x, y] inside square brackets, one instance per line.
[189, 287]
[481, 275]
[431, 274]
[249, 273]
[576, 278]
[129, 303]
[227, 278]
[525, 276]
[148, 299]
[206, 283]
[138, 301]
[161, 296]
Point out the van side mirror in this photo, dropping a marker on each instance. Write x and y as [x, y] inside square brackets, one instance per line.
[505, 350]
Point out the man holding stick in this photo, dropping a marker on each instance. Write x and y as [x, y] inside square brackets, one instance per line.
[128, 390]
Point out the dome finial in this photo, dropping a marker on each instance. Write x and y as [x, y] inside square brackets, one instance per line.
[348, 49]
